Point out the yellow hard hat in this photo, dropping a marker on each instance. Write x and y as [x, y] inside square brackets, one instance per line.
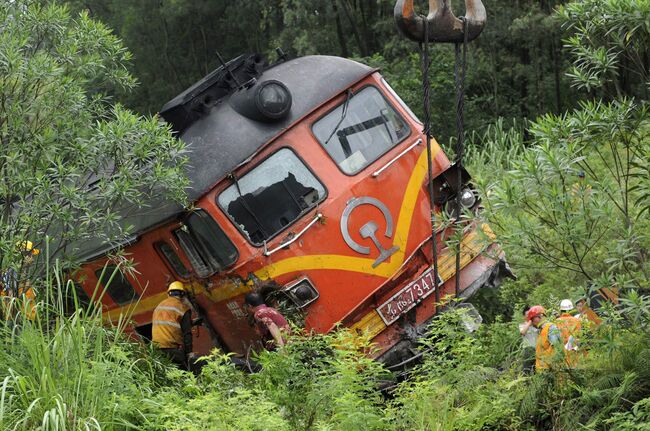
[176, 285]
[27, 246]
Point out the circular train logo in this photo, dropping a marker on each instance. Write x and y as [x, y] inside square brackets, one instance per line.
[369, 229]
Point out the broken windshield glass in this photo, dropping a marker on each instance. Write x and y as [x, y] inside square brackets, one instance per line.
[272, 196]
[360, 130]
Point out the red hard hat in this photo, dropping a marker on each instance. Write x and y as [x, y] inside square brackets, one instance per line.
[534, 311]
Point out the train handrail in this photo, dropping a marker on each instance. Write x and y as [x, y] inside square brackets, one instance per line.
[394, 159]
[294, 239]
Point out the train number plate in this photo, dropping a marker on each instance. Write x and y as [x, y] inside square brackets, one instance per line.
[408, 297]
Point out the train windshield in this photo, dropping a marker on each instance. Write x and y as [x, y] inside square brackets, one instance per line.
[207, 247]
[270, 197]
[360, 130]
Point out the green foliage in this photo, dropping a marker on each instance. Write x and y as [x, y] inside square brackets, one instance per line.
[70, 159]
[458, 387]
[570, 196]
[609, 43]
[325, 382]
[637, 419]
[220, 399]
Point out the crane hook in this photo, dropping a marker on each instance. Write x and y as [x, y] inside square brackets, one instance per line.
[442, 25]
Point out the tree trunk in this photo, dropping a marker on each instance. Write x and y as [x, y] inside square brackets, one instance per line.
[355, 29]
[339, 32]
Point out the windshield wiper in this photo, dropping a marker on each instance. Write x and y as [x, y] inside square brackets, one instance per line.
[344, 112]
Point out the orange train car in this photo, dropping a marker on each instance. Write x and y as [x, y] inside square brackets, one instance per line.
[310, 173]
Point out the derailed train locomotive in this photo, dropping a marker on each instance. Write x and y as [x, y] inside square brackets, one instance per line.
[310, 173]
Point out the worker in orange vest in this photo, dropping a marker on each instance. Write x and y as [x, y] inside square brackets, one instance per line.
[14, 284]
[570, 327]
[171, 327]
[547, 340]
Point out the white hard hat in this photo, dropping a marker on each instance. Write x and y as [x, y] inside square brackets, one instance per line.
[566, 305]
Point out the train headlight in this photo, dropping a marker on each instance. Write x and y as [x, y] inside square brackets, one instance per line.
[273, 99]
[302, 293]
[467, 198]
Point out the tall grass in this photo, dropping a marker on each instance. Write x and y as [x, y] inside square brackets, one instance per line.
[65, 369]
[495, 148]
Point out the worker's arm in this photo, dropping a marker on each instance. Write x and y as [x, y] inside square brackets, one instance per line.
[554, 334]
[186, 328]
[275, 333]
[524, 327]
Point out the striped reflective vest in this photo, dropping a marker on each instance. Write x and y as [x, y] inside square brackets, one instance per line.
[570, 328]
[166, 330]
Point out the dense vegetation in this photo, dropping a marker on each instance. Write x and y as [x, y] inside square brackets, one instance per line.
[70, 157]
[564, 232]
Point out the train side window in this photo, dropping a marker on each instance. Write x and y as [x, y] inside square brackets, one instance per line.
[360, 130]
[207, 247]
[172, 259]
[271, 196]
[119, 289]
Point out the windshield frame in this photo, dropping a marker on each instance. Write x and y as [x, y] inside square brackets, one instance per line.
[355, 92]
[300, 216]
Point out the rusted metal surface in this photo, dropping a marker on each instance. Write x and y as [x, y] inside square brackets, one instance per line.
[442, 25]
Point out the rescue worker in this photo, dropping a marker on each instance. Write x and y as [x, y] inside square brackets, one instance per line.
[14, 284]
[271, 325]
[172, 326]
[529, 335]
[547, 340]
[570, 327]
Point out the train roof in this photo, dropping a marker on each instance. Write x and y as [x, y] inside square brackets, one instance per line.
[219, 138]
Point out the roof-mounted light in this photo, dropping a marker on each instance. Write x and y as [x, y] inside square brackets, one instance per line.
[263, 101]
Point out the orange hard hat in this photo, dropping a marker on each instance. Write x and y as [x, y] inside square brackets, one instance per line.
[534, 311]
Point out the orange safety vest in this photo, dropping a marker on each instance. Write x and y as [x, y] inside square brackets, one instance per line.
[545, 349]
[166, 330]
[570, 327]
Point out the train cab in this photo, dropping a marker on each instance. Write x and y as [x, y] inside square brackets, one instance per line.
[309, 182]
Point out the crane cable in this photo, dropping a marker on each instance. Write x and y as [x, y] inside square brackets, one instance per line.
[460, 68]
[459, 79]
[424, 54]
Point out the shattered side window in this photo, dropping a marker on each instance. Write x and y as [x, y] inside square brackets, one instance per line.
[272, 196]
[360, 130]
